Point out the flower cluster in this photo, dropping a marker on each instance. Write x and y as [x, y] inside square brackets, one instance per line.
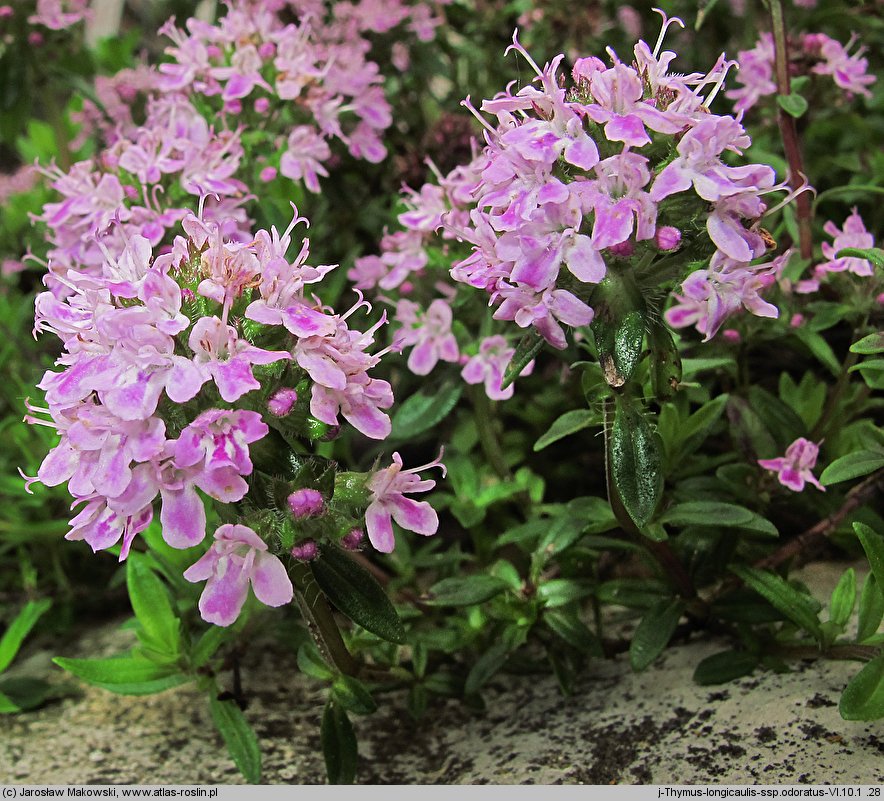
[610, 170]
[826, 56]
[161, 385]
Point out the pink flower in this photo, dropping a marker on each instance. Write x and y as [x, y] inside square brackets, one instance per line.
[489, 365]
[854, 235]
[794, 469]
[429, 332]
[221, 355]
[388, 502]
[238, 558]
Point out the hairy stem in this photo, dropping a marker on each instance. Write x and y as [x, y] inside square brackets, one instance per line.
[789, 131]
[321, 622]
[487, 435]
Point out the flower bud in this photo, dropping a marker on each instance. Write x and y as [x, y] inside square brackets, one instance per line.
[351, 540]
[731, 335]
[667, 238]
[305, 551]
[622, 249]
[268, 174]
[797, 321]
[267, 50]
[281, 402]
[306, 503]
[261, 105]
[233, 106]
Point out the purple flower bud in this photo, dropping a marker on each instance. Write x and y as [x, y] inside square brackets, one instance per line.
[731, 335]
[281, 402]
[35, 38]
[351, 540]
[6, 11]
[268, 174]
[187, 295]
[306, 503]
[305, 551]
[213, 51]
[267, 50]
[622, 249]
[667, 238]
[233, 106]
[261, 105]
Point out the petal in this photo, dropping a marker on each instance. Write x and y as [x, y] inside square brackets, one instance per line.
[270, 581]
[379, 527]
[233, 378]
[417, 516]
[203, 567]
[59, 465]
[184, 380]
[183, 517]
[223, 484]
[223, 597]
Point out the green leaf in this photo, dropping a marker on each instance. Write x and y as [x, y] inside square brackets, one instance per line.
[874, 255]
[567, 624]
[529, 346]
[558, 592]
[725, 666]
[843, 599]
[491, 661]
[160, 629]
[750, 434]
[7, 706]
[793, 104]
[569, 423]
[356, 593]
[853, 465]
[718, 515]
[206, 646]
[863, 697]
[873, 343]
[311, 663]
[666, 370]
[353, 695]
[871, 609]
[125, 675]
[819, 348]
[239, 737]
[801, 609]
[634, 463]
[26, 693]
[654, 632]
[422, 411]
[465, 590]
[873, 545]
[20, 627]
[338, 745]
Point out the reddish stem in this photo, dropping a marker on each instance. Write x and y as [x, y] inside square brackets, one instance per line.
[789, 131]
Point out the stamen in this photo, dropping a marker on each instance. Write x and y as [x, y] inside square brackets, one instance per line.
[666, 23]
[516, 45]
[472, 109]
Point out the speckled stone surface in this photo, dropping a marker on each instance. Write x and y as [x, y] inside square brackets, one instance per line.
[617, 727]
